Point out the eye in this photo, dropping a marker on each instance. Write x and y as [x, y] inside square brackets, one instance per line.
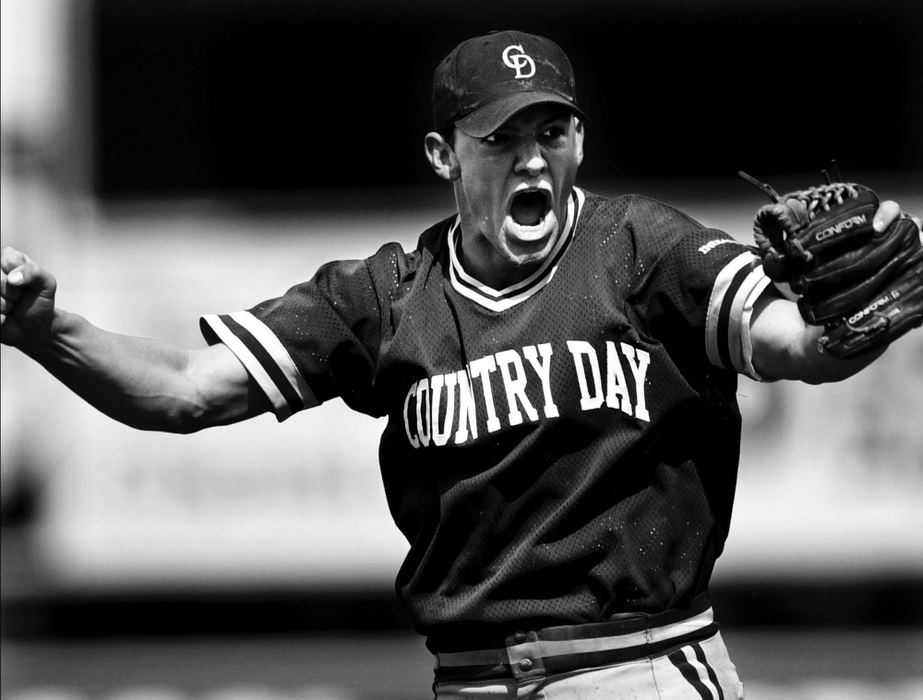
[555, 132]
[497, 138]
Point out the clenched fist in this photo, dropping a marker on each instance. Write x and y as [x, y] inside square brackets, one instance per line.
[27, 303]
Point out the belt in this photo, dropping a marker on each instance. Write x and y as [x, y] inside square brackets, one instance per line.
[559, 649]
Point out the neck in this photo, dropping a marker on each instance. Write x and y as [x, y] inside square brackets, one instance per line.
[487, 265]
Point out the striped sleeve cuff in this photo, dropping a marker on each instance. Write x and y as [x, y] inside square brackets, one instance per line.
[264, 357]
[727, 326]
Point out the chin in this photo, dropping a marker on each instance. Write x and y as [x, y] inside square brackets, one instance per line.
[529, 244]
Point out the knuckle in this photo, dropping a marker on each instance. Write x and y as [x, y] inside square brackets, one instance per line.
[10, 257]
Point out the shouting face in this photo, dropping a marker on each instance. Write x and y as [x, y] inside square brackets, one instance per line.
[511, 188]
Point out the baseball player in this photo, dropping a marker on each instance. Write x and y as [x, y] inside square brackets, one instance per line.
[558, 370]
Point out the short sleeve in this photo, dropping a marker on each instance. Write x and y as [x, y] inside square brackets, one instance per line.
[697, 285]
[317, 341]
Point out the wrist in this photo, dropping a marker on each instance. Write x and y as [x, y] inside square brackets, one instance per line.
[44, 341]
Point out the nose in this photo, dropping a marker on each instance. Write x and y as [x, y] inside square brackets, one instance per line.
[530, 159]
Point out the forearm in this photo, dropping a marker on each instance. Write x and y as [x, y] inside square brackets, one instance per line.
[138, 381]
[801, 360]
[785, 347]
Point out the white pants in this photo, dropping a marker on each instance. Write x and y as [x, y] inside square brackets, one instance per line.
[695, 671]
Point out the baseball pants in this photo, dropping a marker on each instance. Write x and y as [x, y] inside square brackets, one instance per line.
[672, 655]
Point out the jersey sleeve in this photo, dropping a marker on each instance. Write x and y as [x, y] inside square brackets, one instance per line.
[318, 341]
[698, 280]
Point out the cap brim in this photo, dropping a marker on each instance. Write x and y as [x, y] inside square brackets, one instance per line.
[487, 119]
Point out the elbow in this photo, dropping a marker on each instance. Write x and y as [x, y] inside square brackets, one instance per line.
[188, 420]
[161, 424]
[178, 419]
[817, 380]
[184, 427]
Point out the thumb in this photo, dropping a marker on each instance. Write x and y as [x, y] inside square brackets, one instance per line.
[887, 212]
[12, 262]
[23, 271]
[17, 277]
[26, 275]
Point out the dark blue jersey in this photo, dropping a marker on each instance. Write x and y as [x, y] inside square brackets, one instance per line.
[556, 452]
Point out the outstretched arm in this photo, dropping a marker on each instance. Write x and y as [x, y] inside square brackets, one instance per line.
[141, 382]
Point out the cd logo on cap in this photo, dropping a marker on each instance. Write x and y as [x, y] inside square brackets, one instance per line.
[521, 62]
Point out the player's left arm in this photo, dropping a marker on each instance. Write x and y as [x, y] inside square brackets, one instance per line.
[785, 346]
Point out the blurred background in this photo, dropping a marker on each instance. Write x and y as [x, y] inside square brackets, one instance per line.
[167, 159]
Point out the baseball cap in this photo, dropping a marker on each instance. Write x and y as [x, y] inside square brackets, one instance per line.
[486, 80]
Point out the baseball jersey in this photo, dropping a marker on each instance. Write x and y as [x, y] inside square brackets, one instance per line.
[556, 452]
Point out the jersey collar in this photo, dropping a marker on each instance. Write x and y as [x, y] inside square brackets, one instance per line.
[502, 299]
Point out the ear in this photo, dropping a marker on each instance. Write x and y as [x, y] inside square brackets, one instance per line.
[578, 140]
[441, 156]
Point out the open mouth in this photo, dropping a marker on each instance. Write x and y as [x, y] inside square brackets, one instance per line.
[529, 207]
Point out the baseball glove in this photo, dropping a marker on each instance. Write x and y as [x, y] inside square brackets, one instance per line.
[865, 287]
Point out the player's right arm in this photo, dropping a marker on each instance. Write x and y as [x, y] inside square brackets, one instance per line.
[141, 382]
